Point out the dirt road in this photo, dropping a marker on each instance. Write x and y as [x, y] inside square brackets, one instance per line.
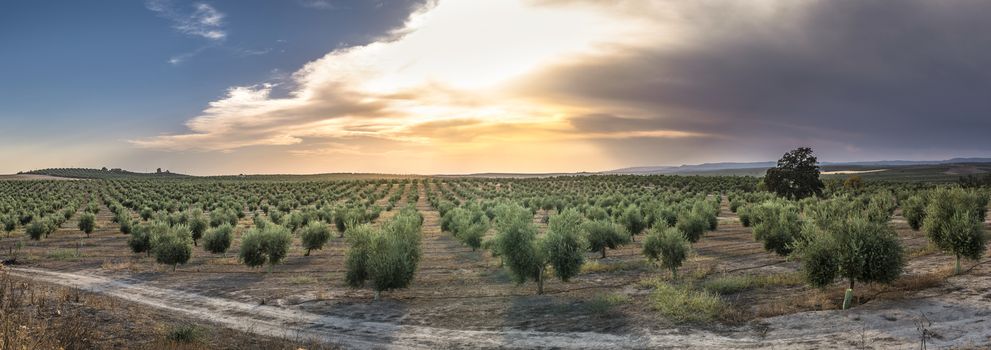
[958, 318]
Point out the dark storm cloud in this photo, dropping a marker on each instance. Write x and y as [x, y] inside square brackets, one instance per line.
[870, 75]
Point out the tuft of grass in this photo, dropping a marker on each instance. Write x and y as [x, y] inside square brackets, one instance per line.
[602, 303]
[63, 254]
[595, 266]
[184, 333]
[300, 279]
[685, 305]
[738, 283]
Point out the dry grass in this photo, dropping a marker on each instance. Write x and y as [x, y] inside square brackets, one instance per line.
[683, 304]
[595, 266]
[738, 283]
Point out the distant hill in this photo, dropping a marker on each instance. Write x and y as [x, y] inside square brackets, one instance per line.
[731, 168]
[84, 173]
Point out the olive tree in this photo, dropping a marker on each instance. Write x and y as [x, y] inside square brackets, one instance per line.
[602, 234]
[87, 223]
[954, 223]
[526, 257]
[632, 218]
[668, 246]
[265, 245]
[914, 211]
[386, 256]
[692, 224]
[197, 225]
[174, 246]
[777, 225]
[856, 249]
[314, 235]
[218, 239]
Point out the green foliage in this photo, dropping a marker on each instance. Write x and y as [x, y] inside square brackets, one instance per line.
[914, 211]
[777, 226]
[683, 304]
[857, 249]
[197, 224]
[314, 235]
[36, 230]
[668, 246]
[265, 245]
[564, 244]
[632, 219]
[796, 175]
[218, 239]
[954, 222]
[516, 244]
[692, 225]
[174, 246]
[87, 223]
[603, 234]
[468, 226]
[389, 256]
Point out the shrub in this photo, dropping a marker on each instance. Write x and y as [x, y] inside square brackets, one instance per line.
[914, 211]
[141, 237]
[126, 225]
[36, 230]
[692, 225]
[197, 225]
[564, 244]
[858, 250]
[267, 245]
[515, 243]
[668, 246]
[777, 226]
[633, 220]
[388, 257]
[604, 234]
[87, 223]
[218, 239]
[954, 223]
[9, 224]
[174, 246]
[314, 236]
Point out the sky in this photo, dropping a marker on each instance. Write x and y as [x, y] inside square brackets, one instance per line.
[463, 86]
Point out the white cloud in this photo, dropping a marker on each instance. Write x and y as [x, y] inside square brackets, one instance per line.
[203, 20]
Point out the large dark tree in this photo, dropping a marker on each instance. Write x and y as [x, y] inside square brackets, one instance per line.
[796, 176]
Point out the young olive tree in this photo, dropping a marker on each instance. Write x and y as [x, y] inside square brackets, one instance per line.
[197, 225]
[87, 223]
[632, 218]
[776, 225]
[174, 246]
[218, 239]
[856, 249]
[314, 235]
[914, 211]
[386, 256]
[668, 246]
[526, 257]
[954, 223]
[266, 245]
[692, 225]
[603, 234]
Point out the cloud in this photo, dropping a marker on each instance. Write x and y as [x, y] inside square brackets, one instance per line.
[202, 20]
[616, 82]
[318, 4]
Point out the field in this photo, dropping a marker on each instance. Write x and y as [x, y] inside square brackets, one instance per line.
[730, 292]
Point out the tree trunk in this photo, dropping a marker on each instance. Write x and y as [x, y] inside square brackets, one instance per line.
[603, 252]
[307, 253]
[674, 273]
[378, 293]
[957, 269]
[540, 282]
